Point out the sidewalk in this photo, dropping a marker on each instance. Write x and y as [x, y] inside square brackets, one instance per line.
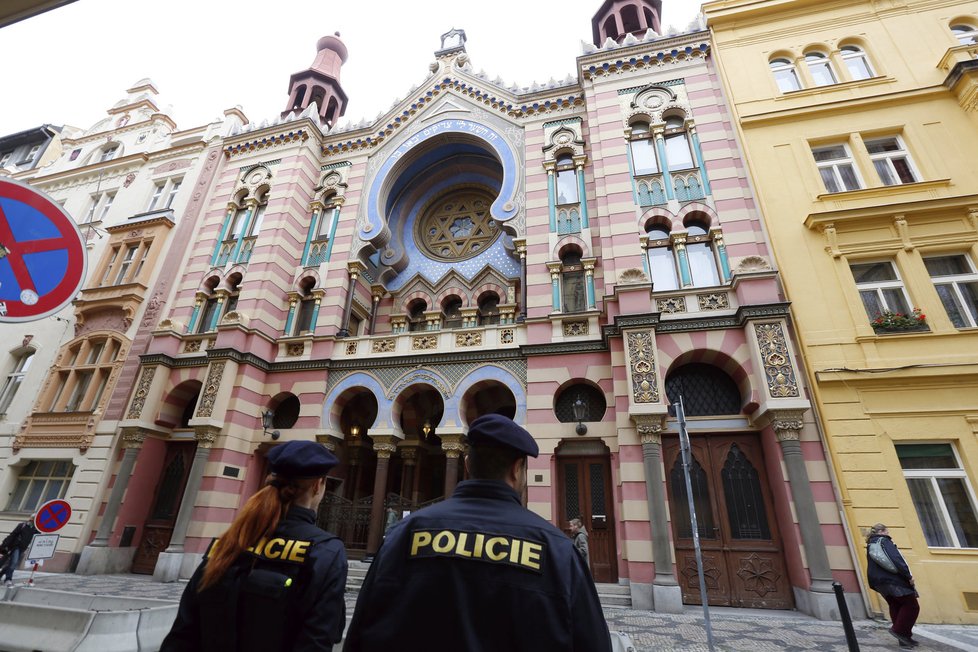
[751, 630]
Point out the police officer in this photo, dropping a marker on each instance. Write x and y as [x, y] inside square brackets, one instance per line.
[273, 581]
[479, 571]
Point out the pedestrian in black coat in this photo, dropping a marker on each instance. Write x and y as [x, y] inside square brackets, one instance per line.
[13, 548]
[273, 581]
[896, 588]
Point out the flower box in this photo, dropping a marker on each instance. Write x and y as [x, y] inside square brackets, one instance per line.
[898, 322]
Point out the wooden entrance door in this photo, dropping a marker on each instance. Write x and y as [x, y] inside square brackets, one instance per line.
[742, 558]
[584, 485]
[166, 505]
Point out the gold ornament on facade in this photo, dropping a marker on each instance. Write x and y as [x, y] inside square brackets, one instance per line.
[133, 437]
[468, 339]
[457, 225]
[642, 359]
[192, 346]
[573, 328]
[713, 301]
[671, 305]
[781, 382]
[206, 435]
[142, 391]
[386, 345]
[424, 342]
[211, 386]
[351, 348]
[507, 336]
[295, 348]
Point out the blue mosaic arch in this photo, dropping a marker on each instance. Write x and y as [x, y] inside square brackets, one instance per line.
[503, 209]
[492, 373]
[360, 380]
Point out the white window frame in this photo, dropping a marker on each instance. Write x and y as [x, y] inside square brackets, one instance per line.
[5, 158]
[816, 60]
[933, 474]
[21, 495]
[835, 164]
[965, 34]
[783, 69]
[31, 154]
[15, 379]
[109, 153]
[157, 193]
[887, 158]
[855, 56]
[879, 287]
[128, 256]
[952, 281]
[172, 193]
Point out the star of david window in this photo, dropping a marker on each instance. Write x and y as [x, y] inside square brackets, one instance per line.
[457, 225]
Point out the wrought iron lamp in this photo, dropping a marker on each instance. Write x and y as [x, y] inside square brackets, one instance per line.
[580, 413]
[267, 418]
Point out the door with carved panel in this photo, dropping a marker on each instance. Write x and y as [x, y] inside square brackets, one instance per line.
[166, 505]
[584, 486]
[742, 557]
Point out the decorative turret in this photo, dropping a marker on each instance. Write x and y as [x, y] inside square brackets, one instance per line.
[320, 83]
[616, 19]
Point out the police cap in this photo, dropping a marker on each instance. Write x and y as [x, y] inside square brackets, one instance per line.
[501, 432]
[301, 459]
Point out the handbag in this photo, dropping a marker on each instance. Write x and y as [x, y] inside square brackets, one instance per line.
[878, 554]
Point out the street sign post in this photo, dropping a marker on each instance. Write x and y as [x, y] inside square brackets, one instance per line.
[43, 546]
[42, 254]
[52, 516]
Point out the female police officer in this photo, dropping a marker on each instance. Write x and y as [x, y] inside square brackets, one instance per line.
[273, 581]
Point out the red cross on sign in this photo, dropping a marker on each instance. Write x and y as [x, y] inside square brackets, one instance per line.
[52, 516]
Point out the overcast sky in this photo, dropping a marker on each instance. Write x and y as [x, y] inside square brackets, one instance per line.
[68, 65]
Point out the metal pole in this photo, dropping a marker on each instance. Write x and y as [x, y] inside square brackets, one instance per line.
[684, 446]
[846, 619]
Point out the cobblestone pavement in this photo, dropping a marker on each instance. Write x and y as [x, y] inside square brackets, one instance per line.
[733, 629]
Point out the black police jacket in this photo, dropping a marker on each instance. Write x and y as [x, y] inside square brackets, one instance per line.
[285, 593]
[477, 572]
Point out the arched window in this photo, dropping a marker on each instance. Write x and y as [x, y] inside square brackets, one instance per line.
[234, 289]
[611, 27]
[566, 180]
[416, 319]
[662, 261]
[489, 309]
[642, 148]
[856, 63]
[785, 75]
[209, 307]
[706, 390]
[259, 217]
[820, 68]
[678, 154]
[966, 34]
[572, 283]
[699, 252]
[286, 413]
[305, 309]
[592, 398]
[451, 309]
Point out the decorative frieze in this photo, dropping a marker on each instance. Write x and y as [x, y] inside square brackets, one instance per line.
[211, 387]
[295, 348]
[507, 336]
[351, 348]
[781, 381]
[133, 437]
[473, 338]
[206, 436]
[142, 391]
[424, 343]
[641, 358]
[787, 424]
[191, 346]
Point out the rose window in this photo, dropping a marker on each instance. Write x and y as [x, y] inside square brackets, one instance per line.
[457, 225]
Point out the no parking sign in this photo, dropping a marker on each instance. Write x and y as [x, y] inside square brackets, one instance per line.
[52, 516]
[42, 254]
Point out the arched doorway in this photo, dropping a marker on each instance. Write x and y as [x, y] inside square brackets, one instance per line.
[743, 560]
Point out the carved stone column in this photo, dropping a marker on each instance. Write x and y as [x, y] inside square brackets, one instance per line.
[453, 447]
[132, 442]
[384, 447]
[787, 427]
[376, 294]
[409, 455]
[666, 594]
[520, 245]
[354, 268]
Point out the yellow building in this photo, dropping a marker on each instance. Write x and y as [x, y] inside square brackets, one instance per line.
[858, 119]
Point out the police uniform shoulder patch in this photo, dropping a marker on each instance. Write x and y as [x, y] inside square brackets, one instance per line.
[486, 547]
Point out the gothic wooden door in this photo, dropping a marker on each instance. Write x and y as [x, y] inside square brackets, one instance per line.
[585, 490]
[742, 558]
[166, 505]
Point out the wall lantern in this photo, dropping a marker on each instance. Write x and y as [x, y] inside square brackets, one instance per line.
[580, 413]
[267, 418]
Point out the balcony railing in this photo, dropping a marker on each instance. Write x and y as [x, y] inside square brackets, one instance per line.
[568, 219]
[688, 185]
[318, 250]
[228, 248]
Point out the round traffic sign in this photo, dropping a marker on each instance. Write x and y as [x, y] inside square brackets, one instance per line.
[52, 516]
[42, 254]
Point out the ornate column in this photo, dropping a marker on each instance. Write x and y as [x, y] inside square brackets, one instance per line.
[318, 296]
[520, 244]
[409, 455]
[206, 436]
[252, 205]
[384, 447]
[199, 300]
[579, 167]
[453, 447]
[679, 246]
[643, 243]
[354, 268]
[376, 294]
[717, 235]
[317, 210]
[293, 304]
[132, 442]
[222, 296]
[588, 264]
[698, 153]
[555, 269]
[660, 146]
[787, 427]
